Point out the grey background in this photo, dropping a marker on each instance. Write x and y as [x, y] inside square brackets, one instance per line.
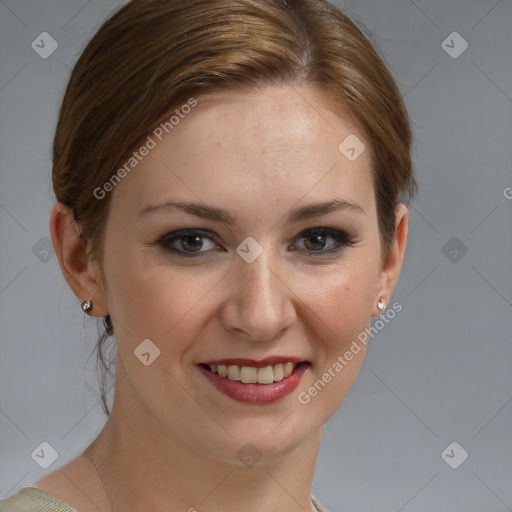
[439, 372]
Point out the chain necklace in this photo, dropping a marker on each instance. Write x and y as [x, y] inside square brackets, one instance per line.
[102, 482]
[313, 505]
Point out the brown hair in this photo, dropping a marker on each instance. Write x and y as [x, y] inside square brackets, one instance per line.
[152, 56]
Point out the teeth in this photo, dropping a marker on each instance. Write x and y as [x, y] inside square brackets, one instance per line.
[287, 369]
[233, 372]
[277, 371]
[265, 375]
[248, 374]
[252, 375]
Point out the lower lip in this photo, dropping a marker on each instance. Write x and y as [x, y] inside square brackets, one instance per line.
[256, 393]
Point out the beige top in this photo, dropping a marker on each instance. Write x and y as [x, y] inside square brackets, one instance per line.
[31, 499]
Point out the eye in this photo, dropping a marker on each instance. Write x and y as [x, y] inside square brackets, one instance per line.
[187, 243]
[316, 241]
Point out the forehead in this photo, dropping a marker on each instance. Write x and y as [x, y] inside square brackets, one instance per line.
[282, 139]
[287, 117]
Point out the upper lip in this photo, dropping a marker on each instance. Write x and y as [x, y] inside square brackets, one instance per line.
[269, 361]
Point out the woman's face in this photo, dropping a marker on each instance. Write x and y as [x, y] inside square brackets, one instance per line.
[263, 286]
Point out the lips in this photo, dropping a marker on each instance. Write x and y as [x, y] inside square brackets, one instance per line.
[248, 380]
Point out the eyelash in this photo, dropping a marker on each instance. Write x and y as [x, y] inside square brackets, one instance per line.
[343, 240]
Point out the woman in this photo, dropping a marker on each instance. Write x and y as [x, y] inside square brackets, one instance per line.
[231, 180]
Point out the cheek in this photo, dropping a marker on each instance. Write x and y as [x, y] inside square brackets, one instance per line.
[157, 302]
[339, 316]
[340, 311]
[341, 300]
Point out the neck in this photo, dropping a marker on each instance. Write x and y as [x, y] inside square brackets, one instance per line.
[143, 466]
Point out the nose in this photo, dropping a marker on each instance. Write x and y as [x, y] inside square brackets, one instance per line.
[259, 304]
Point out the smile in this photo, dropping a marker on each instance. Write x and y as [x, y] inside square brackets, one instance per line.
[253, 375]
[251, 382]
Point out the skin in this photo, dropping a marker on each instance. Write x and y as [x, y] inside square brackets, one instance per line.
[258, 155]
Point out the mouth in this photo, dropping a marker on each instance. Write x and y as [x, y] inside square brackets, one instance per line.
[252, 374]
[252, 381]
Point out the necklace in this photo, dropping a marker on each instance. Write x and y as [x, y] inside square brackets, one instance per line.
[313, 504]
[102, 482]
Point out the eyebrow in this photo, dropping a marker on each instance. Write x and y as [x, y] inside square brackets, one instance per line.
[216, 214]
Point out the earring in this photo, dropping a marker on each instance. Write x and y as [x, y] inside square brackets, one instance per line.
[86, 306]
[381, 304]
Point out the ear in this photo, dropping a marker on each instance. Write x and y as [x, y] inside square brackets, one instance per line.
[391, 267]
[76, 264]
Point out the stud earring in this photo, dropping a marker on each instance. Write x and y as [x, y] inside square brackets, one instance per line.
[381, 304]
[86, 306]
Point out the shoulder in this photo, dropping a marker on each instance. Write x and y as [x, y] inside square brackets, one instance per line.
[73, 487]
[31, 499]
[318, 506]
